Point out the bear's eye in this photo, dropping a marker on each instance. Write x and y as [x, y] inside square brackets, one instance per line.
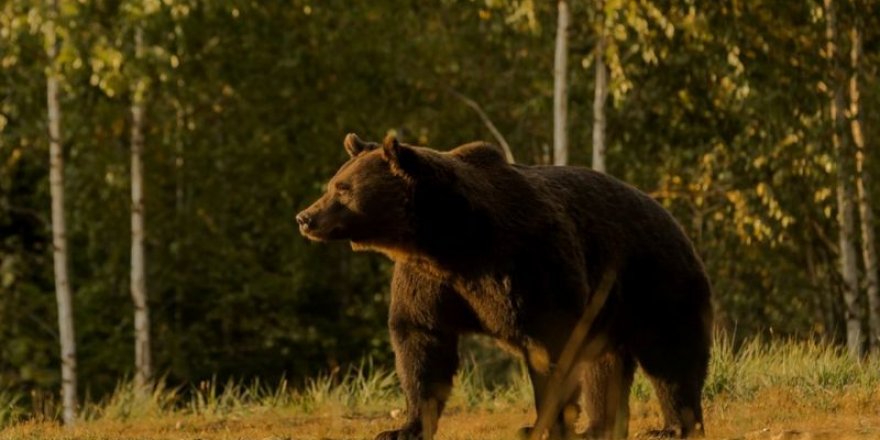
[343, 187]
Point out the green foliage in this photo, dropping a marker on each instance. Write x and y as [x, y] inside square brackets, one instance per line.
[127, 403]
[11, 409]
[477, 385]
[360, 387]
[810, 368]
[718, 111]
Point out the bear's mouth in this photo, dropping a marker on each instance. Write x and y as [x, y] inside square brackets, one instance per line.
[319, 235]
[309, 235]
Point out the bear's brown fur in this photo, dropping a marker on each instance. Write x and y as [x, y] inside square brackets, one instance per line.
[516, 252]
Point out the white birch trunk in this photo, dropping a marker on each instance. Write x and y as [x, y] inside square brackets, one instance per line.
[179, 206]
[560, 87]
[863, 190]
[59, 234]
[143, 364]
[601, 93]
[845, 217]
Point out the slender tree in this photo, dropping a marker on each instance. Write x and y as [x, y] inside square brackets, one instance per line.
[601, 91]
[844, 190]
[143, 364]
[863, 189]
[560, 87]
[59, 236]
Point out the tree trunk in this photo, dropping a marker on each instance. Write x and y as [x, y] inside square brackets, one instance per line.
[143, 365]
[845, 216]
[560, 87]
[180, 226]
[863, 189]
[601, 93]
[59, 235]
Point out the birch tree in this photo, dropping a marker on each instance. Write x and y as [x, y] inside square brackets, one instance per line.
[601, 91]
[143, 364]
[844, 190]
[863, 189]
[59, 235]
[560, 86]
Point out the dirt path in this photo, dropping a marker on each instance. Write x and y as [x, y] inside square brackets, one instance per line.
[456, 426]
[768, 416]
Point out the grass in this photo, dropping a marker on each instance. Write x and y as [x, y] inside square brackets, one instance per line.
[759, 390]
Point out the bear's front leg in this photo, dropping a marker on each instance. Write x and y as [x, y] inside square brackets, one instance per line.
[426, 361]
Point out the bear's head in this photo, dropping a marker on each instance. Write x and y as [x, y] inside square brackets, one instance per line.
[365, 202]
[396, 198]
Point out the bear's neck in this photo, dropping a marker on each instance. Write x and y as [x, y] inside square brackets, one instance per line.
[449, 223]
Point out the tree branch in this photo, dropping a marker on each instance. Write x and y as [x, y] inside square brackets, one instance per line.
[485, 118]
[30, 213]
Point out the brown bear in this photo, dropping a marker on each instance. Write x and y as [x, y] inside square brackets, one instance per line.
[517, 252]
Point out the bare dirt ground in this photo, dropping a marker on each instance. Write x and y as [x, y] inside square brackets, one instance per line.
[769, 416]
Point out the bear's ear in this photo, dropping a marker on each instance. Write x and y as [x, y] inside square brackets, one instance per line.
[354, 145]
[391, 148]
[401, 157]
[406, 160]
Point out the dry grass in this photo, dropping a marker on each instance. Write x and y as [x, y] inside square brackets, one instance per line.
[778, 416]
[784, 391]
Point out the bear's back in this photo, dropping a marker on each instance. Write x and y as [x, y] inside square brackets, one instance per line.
[611, 214]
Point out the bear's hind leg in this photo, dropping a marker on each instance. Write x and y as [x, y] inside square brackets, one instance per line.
[677, 364]
[607, 383]
[677, 373]
[681, 407]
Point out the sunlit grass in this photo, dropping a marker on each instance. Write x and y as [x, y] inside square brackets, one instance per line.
[778, 381]
[11, 409]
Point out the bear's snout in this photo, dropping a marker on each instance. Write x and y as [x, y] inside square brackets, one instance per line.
[304, 220]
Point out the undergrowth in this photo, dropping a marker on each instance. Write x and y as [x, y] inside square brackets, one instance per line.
[811, 371]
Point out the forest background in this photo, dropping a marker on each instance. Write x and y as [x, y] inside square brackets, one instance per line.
[753, 122]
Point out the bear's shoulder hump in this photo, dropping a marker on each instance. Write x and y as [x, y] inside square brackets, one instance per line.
[479, 153]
